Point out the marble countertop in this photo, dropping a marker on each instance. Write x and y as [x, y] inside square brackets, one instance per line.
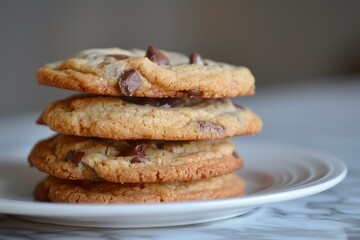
[320, 116]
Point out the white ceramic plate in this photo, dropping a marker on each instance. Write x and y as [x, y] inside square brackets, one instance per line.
[273, 173]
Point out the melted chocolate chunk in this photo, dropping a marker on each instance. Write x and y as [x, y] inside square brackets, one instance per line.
[209, 126]
[155, 102]
[192, 93]
[136, 151]
[74, 156]
[132, 150]
[129, 81]
[156, 56]
[195, 58]
[138, 159]
[118, 56]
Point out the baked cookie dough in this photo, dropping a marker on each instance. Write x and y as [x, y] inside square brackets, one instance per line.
[152, 73]
[95, 159]
[147, 118]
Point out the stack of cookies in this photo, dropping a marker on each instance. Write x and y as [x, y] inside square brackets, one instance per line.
[151, 128]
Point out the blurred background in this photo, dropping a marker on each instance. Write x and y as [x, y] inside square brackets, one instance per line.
[282, 42]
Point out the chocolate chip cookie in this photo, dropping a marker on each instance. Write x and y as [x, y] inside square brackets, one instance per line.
[95, 159]
[57, 190]
[152, 73]
[149, 118]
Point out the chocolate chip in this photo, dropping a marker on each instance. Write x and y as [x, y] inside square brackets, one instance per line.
[136, 151]
[192, 93]
[132, 150]
[74, 156]
[155, 102]
[235, 154]
[195, 58]
[156, 56]
[129, 81]
[118, 56]
[209, 126]
[138, 159]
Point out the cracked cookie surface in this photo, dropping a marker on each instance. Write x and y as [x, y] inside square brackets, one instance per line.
[95, 159]
[145, 118]
[119, 72]
[58, 190]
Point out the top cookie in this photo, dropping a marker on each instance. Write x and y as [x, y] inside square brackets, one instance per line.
[154, 73]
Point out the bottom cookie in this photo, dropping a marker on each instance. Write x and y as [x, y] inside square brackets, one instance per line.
[70, 191]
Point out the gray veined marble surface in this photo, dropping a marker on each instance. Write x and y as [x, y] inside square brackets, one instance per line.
[320, 116]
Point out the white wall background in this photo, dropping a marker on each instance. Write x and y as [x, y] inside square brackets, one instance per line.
[281, 41]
